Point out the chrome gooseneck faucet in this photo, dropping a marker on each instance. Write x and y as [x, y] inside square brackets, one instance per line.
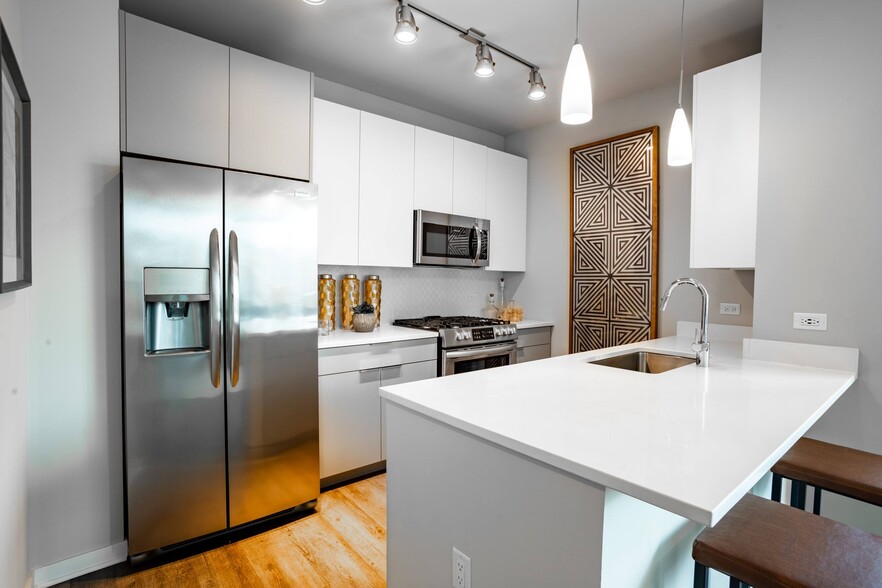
[701, 345]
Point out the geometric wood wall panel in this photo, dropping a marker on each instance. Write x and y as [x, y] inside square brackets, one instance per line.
[614, 249]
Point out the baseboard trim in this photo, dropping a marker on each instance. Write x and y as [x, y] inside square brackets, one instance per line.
[68, 569]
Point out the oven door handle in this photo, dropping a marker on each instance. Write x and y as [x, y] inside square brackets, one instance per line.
[482, 352]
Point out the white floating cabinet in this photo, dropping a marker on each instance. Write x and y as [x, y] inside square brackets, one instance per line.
[469, 179]
[336, 131]
[176, 94]
[725, 121]
[385, 206]
[433, 171]
[270, 108]
[507, 211]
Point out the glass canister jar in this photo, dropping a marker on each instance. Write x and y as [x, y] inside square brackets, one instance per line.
[327, 287]
[373, 288]
[350, 296]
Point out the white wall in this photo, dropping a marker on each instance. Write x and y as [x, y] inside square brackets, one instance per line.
[543, 290]
[818, 242]
[13, 390]
[334, 92]
[75, 487]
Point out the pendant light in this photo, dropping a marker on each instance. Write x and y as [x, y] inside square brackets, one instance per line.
[680, 139]
[405, 25]
[576, 105]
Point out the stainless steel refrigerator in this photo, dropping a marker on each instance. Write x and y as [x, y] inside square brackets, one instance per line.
[220, 353]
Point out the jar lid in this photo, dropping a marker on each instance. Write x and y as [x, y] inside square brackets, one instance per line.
[350, 276]
[326, 277]
[372, 277]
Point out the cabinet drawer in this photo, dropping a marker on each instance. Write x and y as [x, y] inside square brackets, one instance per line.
[366, 357]
[535, 336]
[533, 352]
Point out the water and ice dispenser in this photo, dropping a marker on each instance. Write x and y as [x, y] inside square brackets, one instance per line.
[177, 316]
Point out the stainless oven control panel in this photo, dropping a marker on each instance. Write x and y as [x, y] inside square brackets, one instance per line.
[470, 336]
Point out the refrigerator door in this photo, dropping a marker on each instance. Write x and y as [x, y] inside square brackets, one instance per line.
[272, 356]
[174, 414]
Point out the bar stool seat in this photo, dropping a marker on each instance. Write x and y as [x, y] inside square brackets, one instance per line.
[768, 544]
[850, 472]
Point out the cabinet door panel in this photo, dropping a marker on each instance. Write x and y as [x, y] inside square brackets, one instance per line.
[507, 211]
[349, 421]
[336, 131]
[177, 94]
[433, 171]
[385, 207]
[533, 352]
[270, 105]
[401, 374]
[469, 179]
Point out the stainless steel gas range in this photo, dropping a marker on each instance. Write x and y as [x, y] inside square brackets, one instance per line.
[469, 343]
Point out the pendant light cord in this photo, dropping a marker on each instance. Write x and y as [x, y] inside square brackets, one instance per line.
[682, 26]
[577, 21]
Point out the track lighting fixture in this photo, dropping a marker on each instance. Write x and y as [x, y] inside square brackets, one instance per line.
[485, 65]
[405, 25]
[406, 33]
[314, 2]
[680, 139]
[537, 86]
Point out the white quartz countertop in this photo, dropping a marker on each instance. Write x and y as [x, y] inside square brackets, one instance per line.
[383, 334]
[691, 440]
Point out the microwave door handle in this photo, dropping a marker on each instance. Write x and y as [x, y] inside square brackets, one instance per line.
[233, 323]
[477, 230]
[214, 294]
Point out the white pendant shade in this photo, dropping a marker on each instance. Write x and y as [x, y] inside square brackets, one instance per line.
[680, 140]
[576, 104]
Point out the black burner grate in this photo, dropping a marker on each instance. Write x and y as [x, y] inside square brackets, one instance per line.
[436, 323]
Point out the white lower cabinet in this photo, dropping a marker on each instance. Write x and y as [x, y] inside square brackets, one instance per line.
[534, 344]
[351, 423]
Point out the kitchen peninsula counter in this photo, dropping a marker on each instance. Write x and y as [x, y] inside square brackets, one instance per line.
[687, 444]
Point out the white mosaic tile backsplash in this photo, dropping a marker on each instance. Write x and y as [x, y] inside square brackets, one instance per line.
[421, 291]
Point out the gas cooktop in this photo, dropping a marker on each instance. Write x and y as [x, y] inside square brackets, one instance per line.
[436, 323]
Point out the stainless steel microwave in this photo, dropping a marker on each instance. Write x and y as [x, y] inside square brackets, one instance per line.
[450, 240]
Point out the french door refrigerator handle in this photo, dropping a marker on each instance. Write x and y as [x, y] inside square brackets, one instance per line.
[215, 344]
[233, 284]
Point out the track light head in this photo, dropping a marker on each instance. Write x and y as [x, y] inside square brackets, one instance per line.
[405, 25]
[314, 2]
[537, 86]
[485, 65]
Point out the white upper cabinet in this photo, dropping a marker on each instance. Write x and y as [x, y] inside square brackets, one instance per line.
[269, 116]
[336, 131]
[433, 171]
[177, 89]
[385, 207]
[469, 179]
[507, 211]
[725, 118]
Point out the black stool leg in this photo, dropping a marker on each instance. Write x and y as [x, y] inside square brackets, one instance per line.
[702, 575]
[776, 487]
[816, 507]
[797, 494]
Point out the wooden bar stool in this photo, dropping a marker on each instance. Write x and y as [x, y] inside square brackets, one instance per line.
[767, 544]
[834, 468]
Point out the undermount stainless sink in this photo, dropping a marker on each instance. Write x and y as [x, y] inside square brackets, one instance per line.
[646, 362]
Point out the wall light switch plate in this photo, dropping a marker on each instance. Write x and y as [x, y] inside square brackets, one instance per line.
[730, 308]
[810, 321]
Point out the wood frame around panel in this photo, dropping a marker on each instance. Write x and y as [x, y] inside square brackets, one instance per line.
[653, 317]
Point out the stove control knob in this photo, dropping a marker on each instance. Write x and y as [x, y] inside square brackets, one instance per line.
[468, 334]
[459, 336]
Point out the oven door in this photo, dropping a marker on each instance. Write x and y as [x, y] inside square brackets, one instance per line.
[448, 239]
[470, 359]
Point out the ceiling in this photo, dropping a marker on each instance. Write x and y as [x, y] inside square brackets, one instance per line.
[632, 46]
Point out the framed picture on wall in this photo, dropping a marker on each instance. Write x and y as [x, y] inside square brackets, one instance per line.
[15, 172]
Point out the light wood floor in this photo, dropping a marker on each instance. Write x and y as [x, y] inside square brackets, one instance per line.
[342, 544]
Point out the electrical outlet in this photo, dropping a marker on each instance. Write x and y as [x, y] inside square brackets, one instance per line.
[730, 308]
[810, 321]
[462, 569]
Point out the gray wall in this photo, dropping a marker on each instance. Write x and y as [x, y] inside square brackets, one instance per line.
[543, 290]
[75, 489]
[819, 241]
[334, 92]
[13, 391]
